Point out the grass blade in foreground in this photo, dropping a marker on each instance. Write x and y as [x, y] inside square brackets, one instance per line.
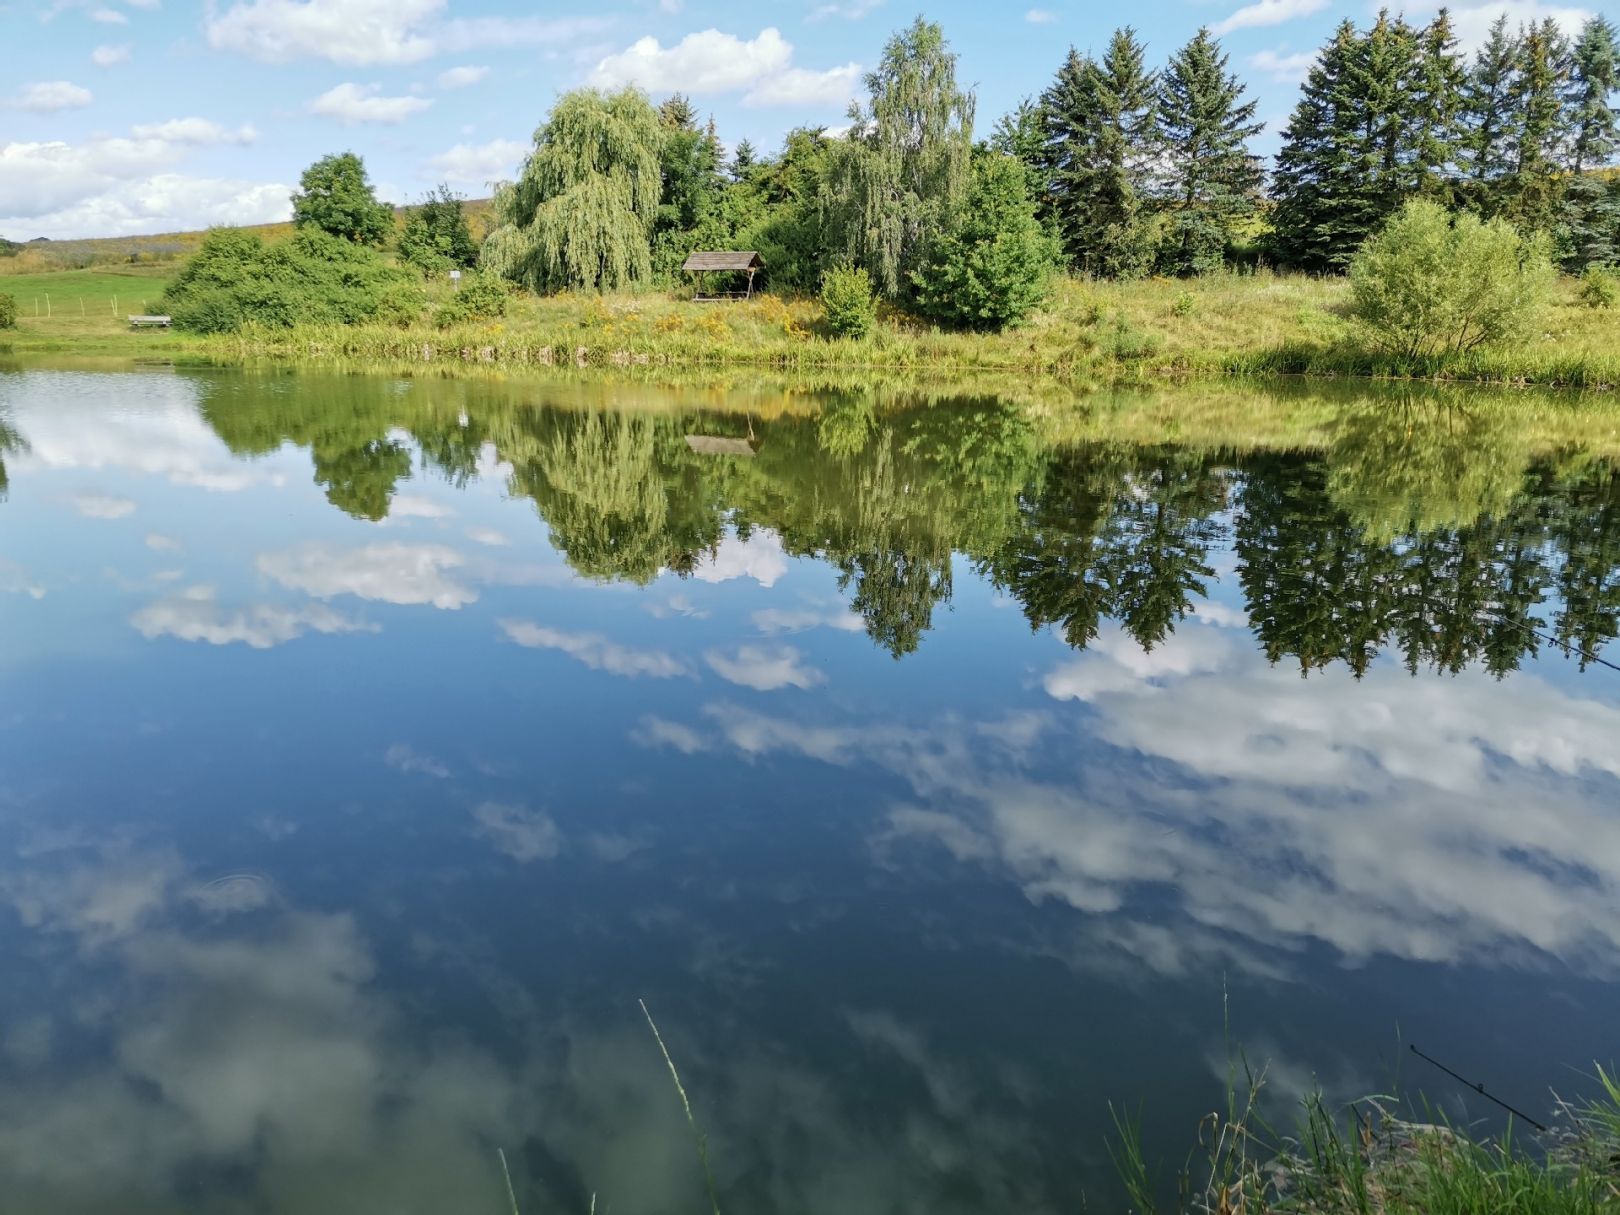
[691, 1120]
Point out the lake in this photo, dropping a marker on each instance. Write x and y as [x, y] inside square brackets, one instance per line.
[939, 770]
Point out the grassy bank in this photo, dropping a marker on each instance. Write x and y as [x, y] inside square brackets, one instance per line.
[1258, 324]
[1369, 1160]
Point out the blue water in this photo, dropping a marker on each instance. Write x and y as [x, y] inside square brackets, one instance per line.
[370, 749]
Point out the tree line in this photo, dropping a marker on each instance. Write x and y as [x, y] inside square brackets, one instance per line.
[1418, 540]
[1125, 169]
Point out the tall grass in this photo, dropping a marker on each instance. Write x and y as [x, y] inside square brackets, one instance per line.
[1367, 1160]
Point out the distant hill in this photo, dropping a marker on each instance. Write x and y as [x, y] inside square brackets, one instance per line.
[41, 255]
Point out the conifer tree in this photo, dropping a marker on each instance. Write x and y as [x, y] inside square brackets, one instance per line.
[1591, 219]
[1064, 111]
[1121, 140]
[1211, 178]
[1021, 134]
[1436, 112]
[1488, 138]
[1540, 131]
[1320, 216]
[1594, 78]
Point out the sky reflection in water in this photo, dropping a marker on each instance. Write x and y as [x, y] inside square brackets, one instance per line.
[371, 748]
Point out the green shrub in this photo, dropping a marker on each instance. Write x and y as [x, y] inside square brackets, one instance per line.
[479, 297]
[846, 299]
[1432, 284]
[236, 279]
[995, 264]
[1185, 304]
[335, 196]
[8, 311]
[1600, 287]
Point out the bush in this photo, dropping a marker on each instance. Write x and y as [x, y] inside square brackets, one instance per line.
[1432, 284]
[1185, 304]
[479, 297]
[1600, 287]
[846, 298]
[235, 279]
[8, 311]
[994, 265]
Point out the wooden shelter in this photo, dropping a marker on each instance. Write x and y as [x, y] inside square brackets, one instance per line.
[730, 261]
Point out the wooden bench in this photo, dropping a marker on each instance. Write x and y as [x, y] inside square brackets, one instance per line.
[148, 322]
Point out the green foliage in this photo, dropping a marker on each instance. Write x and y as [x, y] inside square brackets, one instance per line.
[436, 237]
[1211, 180]
[1600, 287]
[846, 298]
[8, 311]
[690, 213]
[235, 279]
[1185, 304]
[1101, 123]
[781, 212]
[1432, 284]
[336, 197]
[993, 266]
[895, 181]
[478, 297]
[582, 209]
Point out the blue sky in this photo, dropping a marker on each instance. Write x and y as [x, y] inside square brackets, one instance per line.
[136, 116]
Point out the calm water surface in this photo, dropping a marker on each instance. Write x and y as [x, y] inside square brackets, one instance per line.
[370, 748]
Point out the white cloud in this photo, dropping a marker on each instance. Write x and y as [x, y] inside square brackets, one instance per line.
[15, 580]
[49, 96]
[195, 615]
[352, 103]
[671, 7]
[160, 543]
[800, 86]
[102, 506]
[849, 10]
[412, 506]
[108, 187]
[365, 32]
[489, 536]
[1268, 12]
[759, 557]
[764, 668]
[407, 759]
[479, 164]
[1282, 66]
[462, 77]
[106, 56]
[356, 32]
[790, 620]
[165, 437]
[1472, 22]
[199, 132]
[524, 835]
[658, 732]
[109, 16]
[1040, 16]
[709, 61]
[595, 651]
[403, 574]
[703, 62]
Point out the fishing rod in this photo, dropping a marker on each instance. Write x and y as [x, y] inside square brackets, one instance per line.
[1568, 647]
[1477, 1087]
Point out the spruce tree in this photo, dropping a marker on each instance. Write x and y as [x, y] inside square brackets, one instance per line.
[1540, 129]
[1021, 134]
[1436, 112]
[1065, 117]
[1108, 138]
[1488, 138]
[1211, 178]
[1594, 78]
[1591, 211]
[1320, 216]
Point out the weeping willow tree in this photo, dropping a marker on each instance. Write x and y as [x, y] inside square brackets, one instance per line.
[581, 212]
[897, 179]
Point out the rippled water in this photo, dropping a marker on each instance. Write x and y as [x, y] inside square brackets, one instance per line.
[937, 771]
